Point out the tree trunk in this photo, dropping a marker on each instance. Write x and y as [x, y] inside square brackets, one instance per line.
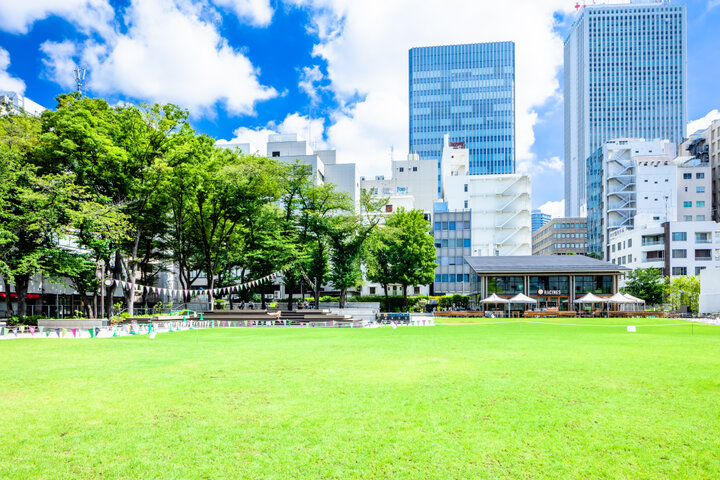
[210, 286]
[387, 297]
[290, 298]
[405, 298]
[8, 300]
[21, 287]
[343, 294]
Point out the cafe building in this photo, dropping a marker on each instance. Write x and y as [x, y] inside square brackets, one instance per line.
[555, 281]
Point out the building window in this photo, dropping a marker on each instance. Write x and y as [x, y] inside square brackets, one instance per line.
[401, 169]
[699, 176]
[507, 285]
[700, 218]
[698, 270]
[702, 255]
[465, 187]
[414, 169]
[687, 176]
[703, 237]
[700, 204]
[679, 236]
[388, 208]
[687, 218]
[679, 253]
[593, 283]
[699, 189]
[372, 290]
[687, 204]
[679, 270]
[466, 204]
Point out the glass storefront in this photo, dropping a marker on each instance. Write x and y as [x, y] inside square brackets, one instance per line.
[593, 283]
[550, 291]
[505, 285]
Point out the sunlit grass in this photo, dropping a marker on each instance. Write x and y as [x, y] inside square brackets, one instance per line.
[517, 400]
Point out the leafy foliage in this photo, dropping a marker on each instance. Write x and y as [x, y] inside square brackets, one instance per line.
[646, 283]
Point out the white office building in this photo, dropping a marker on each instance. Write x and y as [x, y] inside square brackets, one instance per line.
[676, 248]
[18, 102]
[477, 215]
[630, 182]
[325, 168]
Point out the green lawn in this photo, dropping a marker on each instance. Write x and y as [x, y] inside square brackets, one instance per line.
[517, 400]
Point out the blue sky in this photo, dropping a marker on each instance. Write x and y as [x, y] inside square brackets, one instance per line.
[334, 70]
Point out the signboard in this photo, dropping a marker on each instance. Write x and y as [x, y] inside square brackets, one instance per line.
[457, 144]
[549, 292]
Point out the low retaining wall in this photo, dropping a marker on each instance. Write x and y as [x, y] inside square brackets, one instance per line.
[356, 313]
[72, 322]
[352, 305]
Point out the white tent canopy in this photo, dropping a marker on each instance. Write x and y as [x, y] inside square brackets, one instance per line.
[493, 299]
[633, 299]
[620, 298]
[522, 298]
[590, 298]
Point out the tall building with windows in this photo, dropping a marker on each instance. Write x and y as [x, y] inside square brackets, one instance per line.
[539, 219]
[468, 92]
[625, 76]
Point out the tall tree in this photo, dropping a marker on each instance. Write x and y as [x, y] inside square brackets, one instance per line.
[404, 251]
[683, 290]
[348, 234]
[646, 283]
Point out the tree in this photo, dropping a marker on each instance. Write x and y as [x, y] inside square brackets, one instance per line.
[319, 205]
[348, 234]
[408, 248]
[645, 283]
[683, 290]
[380, 258]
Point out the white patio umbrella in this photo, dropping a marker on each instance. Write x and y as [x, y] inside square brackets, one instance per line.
[590, 298]
[633, 299]
[620, 298]
[522, 298]
[494, 299]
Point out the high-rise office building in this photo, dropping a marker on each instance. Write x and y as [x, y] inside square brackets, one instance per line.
[539, 219]
[625, 76]
[468, 92]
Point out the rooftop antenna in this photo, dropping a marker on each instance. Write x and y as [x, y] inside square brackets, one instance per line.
[80, 79]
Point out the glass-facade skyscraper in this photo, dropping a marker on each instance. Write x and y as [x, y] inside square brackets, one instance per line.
[625, 76]
[468, 92]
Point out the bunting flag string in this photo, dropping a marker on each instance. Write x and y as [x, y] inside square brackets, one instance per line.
[195, 292]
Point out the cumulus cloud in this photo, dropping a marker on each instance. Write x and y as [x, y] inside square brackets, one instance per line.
[186, 61]
[7, 81]
[256, 12]
[702, 123]
[88, 15]
[553, 163]
[366, 50]
[554, 209]
[308, 79]
[59, 61]
[310, 129]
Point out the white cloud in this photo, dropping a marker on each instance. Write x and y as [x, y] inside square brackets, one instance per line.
[704, 122]
[553, 163]
[303, 126]
[256, 12]
[712, 4]
[308, 78]
[7, 81]
[17, 16]
[554, 209]
[59, 62]
[169, 54]
[366, 49]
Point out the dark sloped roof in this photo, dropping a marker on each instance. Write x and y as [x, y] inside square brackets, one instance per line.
[542, 264]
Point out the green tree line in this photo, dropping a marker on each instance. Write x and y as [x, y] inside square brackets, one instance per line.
[136, 189]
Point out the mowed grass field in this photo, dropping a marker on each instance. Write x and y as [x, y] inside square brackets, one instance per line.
[514, 400]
